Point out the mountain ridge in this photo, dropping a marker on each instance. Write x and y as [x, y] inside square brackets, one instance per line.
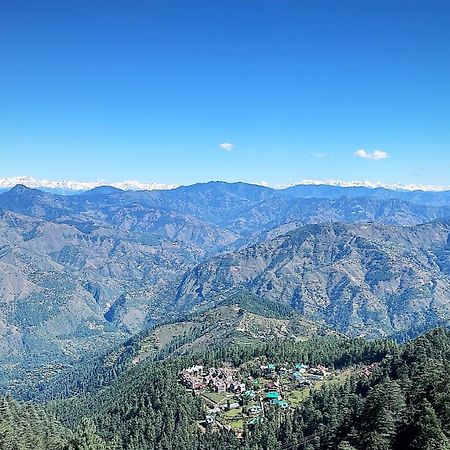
[363, 279]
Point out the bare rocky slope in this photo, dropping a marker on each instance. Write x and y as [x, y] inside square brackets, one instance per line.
[366, 279]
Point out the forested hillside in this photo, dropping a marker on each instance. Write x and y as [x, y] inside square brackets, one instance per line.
[156, 411]
[400, 403]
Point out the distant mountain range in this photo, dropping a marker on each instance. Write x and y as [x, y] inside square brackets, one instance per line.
[82, 272]
[73, 187]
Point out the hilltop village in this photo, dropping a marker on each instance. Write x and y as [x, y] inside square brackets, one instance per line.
[234, 399]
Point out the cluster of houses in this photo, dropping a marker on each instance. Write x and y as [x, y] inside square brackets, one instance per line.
[254, 392]
[221, 379]
[300, 373]
[273, 385]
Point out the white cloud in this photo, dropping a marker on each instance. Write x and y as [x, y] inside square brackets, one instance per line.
[227, 146]
[375, 155]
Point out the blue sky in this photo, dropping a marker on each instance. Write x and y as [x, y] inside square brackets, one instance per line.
[148, 90]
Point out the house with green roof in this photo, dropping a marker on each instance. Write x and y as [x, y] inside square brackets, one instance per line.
[273, 395]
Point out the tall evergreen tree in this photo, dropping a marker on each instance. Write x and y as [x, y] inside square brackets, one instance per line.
[85, 437]
[429, 434]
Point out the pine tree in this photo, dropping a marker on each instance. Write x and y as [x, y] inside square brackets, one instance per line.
[429, 434]
[85, 437]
